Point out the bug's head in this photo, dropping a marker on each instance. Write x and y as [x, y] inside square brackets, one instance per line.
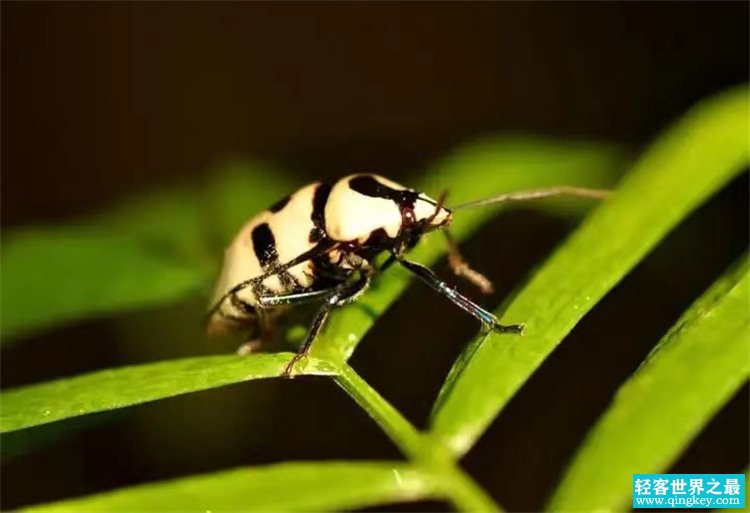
[425, 216]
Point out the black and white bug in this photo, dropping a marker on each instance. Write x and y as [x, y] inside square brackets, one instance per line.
[320, 243]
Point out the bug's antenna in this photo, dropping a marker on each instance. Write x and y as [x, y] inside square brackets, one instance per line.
[549, 192]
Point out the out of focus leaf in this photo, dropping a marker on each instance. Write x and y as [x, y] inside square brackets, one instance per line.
[331, 486]
[240, 191]
[692, 372]
[152, 250]
[125, 386]
[170, 222]
[53, 276]
[689, 163]
[491, 167]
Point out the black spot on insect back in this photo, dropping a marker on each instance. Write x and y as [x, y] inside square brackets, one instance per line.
[264, 245]
[318, 216]
[369, 186]
[279, 205]
[405, 199]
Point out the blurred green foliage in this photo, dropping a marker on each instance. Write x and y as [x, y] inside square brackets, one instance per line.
[677, 390]
[153, 250]
[156, 251]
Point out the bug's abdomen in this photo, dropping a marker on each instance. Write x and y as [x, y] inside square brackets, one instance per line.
[275, 236]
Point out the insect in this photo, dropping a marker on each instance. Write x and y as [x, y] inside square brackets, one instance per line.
[319, 245]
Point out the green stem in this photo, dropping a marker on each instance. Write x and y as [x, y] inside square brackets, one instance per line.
[398, 429]
[464, 492]
[428, 454]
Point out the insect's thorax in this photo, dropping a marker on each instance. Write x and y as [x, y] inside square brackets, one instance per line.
[373, 211]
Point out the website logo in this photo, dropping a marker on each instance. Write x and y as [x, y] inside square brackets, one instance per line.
[684, 491]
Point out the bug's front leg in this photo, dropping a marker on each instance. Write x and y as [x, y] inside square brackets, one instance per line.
[342, 295]
[488, 319]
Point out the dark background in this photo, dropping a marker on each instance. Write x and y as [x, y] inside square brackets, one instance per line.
[103, 100]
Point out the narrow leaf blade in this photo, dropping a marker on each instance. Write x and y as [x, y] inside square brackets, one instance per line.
[696, 157]
[125, 386]
[331, 486]
[692, 372]
[54, 276]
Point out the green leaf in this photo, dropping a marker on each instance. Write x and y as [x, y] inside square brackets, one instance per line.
[692, 372]
[490, 167]
[331, 486]
[53, 276]
[239, 191]
[695, 158]
[125, 386]
[152, 250]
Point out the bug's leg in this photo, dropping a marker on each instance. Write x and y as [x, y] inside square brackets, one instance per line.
[342, 295]
[317, 325]
[260, 334]
[218, 317]
[250, 346]
[269, 300]
[321, 248]
[264, 334]
[488, 320]
[461, 267]
[385, 265]
[241, 305]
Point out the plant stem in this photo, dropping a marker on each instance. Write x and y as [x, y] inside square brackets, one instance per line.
[398, 429]
[427, 453]
[464, 492]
